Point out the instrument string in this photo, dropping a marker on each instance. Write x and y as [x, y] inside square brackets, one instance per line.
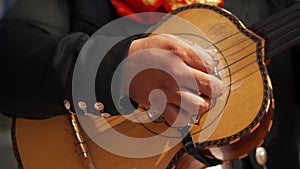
[108, 140]
[238, 70]
[238, 80]
[237, 61]
[213, 45]
[233, 44]
[234, 53]
[227, 86]
[226, 38]
[220, 69]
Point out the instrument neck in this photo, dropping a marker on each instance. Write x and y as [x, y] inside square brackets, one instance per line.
[281, 31]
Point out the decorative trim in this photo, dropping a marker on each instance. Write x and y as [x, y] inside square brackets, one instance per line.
[15, 145]
[80, 143]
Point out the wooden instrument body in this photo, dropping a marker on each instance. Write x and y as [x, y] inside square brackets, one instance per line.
[238, 124]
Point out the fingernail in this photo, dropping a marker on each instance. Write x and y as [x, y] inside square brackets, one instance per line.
[212, 52]
[218, 87]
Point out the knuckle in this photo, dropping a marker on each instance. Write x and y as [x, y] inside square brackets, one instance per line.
[207, 85]
[175, 49]
[210, 65]
[204, 106]
[218, 87]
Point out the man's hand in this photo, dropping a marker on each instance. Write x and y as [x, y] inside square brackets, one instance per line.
[181, 71]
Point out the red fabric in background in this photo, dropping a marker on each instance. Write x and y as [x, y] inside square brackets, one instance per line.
[128, 7]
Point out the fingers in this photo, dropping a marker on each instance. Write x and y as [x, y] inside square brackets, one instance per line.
[186, 80]
[202, 82]
[174, 117]
[182, 105]
[192, 54]
[201, 63]
[208, 85]
[193, 103]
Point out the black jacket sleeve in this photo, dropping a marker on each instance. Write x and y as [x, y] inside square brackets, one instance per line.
[37, 58]
[40, 43]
